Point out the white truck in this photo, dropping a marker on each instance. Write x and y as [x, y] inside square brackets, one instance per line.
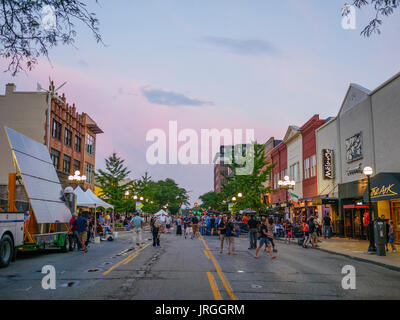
[11, 236]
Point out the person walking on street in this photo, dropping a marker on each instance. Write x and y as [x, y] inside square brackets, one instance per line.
[168, 224]
[305, 232]
[178, 223]
[313, 236]
[189, 228]
[81, 224]
[222, 233]
[264, 240]
[137, 224]
[230, 235]
[253, 225]
[156, 232]
[392, 236]
[195, 227]
[212, 225]
[327, 226]
[271, 228]
[288, 231]
[73, 235]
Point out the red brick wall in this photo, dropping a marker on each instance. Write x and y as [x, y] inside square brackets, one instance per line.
[279, 156]
[310, 188]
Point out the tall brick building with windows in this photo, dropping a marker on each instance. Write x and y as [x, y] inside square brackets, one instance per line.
[72, 134]
[72, 141]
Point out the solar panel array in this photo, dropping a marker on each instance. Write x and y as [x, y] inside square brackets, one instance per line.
[40, 178]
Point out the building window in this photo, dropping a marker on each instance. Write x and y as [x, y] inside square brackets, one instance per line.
[78, 142]
[56, 132]
[66, 164]
[77, 165]
[55, 157]
[67, 137]
[276, 179]
[89, 173]
[307, 168]
[294, 172]
[313, 166]
[89, 144]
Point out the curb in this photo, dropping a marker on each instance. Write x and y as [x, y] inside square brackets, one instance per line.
[381, 264]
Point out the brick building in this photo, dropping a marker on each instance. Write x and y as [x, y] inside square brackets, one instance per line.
[310, 188]
[72, 135]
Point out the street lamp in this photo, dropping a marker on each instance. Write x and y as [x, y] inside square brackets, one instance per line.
[287, 184]
[368, 171]
[240, 195]
[77, 178]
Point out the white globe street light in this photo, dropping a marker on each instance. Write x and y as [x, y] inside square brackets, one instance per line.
[368, 171]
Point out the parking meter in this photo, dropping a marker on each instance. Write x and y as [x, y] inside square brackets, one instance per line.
[380, 237]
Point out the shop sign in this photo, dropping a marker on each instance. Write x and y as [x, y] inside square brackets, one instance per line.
[327, 158]
[384, 191]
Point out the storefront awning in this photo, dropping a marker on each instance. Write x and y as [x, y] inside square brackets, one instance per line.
[384, 186]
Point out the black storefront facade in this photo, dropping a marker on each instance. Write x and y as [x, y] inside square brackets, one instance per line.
[352, 209]
[385, 197]
[353, 203]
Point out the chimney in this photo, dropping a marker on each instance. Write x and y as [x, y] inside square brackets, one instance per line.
[10, 88]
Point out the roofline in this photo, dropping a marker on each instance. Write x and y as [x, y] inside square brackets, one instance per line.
[397, 75]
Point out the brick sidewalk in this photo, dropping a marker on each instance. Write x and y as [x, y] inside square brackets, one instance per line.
[358, 249]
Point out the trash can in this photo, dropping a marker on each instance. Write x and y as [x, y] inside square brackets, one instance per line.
[380, 237]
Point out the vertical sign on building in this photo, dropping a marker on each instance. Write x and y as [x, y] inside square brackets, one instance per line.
[327, 160]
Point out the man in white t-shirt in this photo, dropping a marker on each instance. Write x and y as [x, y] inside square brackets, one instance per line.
[137, 223]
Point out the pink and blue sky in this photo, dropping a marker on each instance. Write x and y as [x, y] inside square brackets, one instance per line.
[261, 65]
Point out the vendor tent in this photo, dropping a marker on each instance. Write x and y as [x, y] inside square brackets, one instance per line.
[161, 213]
[99, 202]
[82, 199]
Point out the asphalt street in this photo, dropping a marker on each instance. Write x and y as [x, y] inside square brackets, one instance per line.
[183, 269]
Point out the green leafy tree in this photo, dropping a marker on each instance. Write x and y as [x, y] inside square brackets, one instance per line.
[251, 185]
[114, 184]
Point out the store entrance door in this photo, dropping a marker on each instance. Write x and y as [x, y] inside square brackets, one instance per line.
[396, 219]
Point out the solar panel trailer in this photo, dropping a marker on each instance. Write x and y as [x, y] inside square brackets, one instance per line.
[47, 226]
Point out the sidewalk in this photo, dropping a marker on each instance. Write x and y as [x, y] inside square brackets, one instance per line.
[358, 249]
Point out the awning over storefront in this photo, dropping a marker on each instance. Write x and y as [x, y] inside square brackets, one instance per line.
[384, 186]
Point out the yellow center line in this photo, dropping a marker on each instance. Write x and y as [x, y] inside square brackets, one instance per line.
[133, 255]
[220, 274]
[206, 254]
[214, 287]
[137, 253]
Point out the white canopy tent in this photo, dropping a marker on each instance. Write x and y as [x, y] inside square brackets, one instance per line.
[100, 203]
[90, 200]
[82, 199]
[161, 212]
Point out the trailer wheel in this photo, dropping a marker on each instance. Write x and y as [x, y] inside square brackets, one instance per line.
[6, 250]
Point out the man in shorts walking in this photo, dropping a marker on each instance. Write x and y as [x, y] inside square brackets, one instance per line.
[81, 224]
[137, 223]
[264, 240]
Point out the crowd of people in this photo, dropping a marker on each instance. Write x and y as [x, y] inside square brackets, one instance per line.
[261, 230]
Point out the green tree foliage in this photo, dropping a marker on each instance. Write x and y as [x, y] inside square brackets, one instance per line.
[252, 185]
[113, 185]
[30, 28]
